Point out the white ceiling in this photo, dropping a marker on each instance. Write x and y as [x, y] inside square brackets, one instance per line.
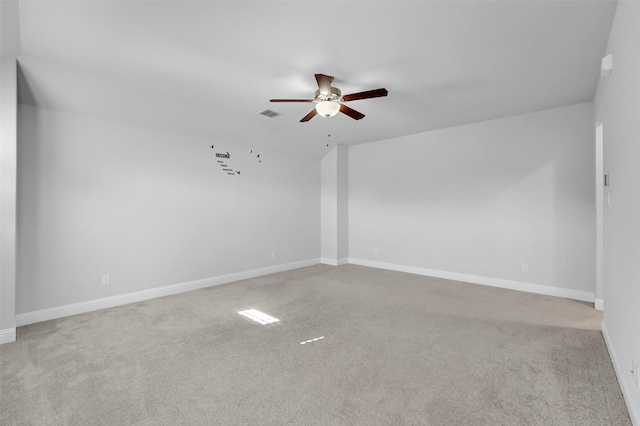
[206, 68]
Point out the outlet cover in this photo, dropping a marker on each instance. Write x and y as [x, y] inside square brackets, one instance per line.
[105, 280]
[525, 267]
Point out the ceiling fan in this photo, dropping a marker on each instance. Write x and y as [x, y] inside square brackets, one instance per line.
[329, 100]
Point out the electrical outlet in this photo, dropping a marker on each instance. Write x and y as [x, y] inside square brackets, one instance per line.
[105, 280]
[274, 254]
[375, 250]
[525, 267]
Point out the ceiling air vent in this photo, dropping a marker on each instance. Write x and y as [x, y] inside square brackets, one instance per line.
[270, 113]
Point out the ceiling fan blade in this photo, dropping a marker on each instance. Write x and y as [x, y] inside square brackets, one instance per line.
[291, 100]
[365, 95]
[309, 116]
[351, 112]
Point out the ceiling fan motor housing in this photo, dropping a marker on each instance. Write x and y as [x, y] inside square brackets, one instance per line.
[334, 96]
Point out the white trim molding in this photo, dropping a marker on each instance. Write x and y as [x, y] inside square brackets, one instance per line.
[334, 262]
[599, 304]
[7, 335]
[152, 293]
[621, 373]
[584, 296]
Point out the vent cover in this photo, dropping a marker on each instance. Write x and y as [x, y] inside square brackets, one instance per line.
[270, 113]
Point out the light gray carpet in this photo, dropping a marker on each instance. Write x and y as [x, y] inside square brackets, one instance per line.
[397, 349]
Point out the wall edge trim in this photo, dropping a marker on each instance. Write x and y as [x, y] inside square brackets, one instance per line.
[632, 406]
[153, 293]
[7, 335]
[584, 296]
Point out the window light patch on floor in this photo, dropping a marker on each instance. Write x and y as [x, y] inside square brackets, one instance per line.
[259, 317]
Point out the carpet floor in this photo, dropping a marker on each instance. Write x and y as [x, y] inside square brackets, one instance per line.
[397, 349]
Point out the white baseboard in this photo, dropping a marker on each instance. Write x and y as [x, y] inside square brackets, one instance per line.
[7, 335]
[633, 405]
[334, 262]
[152, 293]
[599, 304]
[584, 296]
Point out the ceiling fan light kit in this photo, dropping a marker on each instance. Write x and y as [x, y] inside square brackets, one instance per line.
[329, 100]
[327, 108]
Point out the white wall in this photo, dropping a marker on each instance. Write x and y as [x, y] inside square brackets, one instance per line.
[9, 50]
[342, 194]
[482, 199]
[334, 204]
[329, 207]
[617, 107]
[149, 208]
